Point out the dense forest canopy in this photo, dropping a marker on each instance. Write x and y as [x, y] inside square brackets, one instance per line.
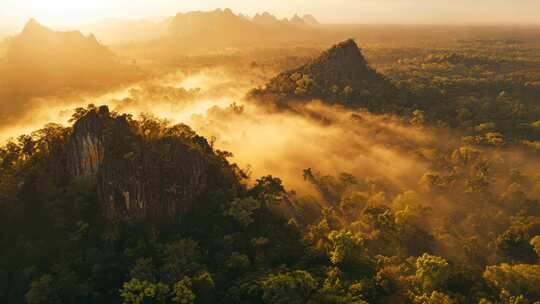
[410, 174]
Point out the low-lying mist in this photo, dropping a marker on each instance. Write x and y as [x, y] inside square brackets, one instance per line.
[263, 141]
[338, 140]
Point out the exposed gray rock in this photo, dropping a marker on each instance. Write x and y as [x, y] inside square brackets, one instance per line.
[138, 177]
[86, 148]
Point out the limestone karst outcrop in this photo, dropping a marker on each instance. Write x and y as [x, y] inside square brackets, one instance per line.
[138, 174]
[341, 75]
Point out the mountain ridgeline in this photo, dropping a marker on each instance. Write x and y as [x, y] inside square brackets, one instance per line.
[226, 22]
[340, 75]
[208, 30]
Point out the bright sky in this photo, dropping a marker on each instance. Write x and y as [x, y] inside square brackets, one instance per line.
[75, 12]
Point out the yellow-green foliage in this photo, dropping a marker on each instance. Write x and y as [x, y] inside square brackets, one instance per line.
[432, 272]
[516, 280]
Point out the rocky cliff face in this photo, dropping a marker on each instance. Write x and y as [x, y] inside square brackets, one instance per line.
[86, 146]
[137, 177]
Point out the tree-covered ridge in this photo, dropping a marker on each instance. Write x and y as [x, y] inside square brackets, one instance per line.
[340, 75]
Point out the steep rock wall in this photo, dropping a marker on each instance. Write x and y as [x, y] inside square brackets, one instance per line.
[137, 177]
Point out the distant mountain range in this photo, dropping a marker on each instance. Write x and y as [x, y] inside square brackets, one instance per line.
[217, 27]
[220, 20]
[223, 27]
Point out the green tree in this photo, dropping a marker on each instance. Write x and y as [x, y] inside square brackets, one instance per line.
[138, 292]
[516, 280]
[514, 245]
[204, 288]
[182, 257]
[268, 190]
[143, 270]
[237, 263]
[42, 291]
[182, 292]
[345, 247]
[434, 298]
[242, 210]
[432, 272]
[294, 287]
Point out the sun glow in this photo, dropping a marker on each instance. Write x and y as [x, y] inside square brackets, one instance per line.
[57, 12]
[70, 13]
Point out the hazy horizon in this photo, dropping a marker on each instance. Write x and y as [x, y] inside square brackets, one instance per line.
[71, 14]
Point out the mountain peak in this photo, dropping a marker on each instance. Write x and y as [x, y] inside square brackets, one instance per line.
[39, 44]
[33, 26]
[346, 55]
[348, 45]
[296, 19]
[340, 75]
[31, 22]
[128, 181]
[310, 20]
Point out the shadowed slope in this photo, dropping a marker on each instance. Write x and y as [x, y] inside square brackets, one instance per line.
[340, 75]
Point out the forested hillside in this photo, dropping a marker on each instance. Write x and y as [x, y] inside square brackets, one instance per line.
[340, 75]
